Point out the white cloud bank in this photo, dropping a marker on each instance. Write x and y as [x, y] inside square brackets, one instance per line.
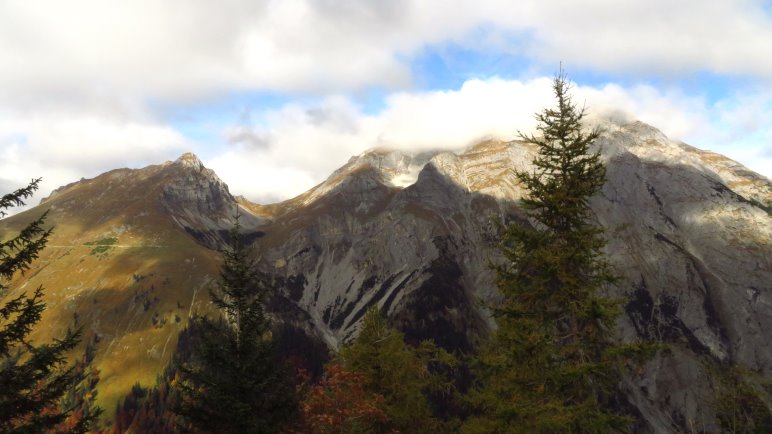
[88, 50]
[64, 148]
[300, 146]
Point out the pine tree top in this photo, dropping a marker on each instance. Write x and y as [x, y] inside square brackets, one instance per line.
[566, 173]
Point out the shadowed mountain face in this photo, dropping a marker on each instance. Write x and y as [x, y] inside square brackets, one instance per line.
[414, 235]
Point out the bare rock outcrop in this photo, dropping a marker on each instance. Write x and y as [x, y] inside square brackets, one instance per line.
[687, 232]
[200, 203]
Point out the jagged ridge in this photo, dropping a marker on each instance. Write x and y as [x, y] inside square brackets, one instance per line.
[413, 234]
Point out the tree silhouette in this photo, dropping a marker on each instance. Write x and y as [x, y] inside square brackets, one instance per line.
[233, 382]
[33, 378]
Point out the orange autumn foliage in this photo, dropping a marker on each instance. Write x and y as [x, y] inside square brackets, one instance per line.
[340, 404]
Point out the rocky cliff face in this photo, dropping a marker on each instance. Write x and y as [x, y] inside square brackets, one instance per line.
[695, 255]
[686, 230]
[200, 203]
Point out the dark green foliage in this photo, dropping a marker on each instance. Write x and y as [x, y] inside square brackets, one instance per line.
[126, 409]
[33, 378]
[551, 366]
[234, 382]
[738, 404]
[17, 253]
[144, 410]
[404, 375]
[102, 246]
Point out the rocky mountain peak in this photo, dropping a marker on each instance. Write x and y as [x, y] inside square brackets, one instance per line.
[199, 201]
[189, 159]
[397, 168]
[646, 143]
[375, 168]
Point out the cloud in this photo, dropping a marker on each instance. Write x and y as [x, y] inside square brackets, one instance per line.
[181, 50]
[111, 54]
[302, 145]
[653, 36]
[63, 148]
[245, 136]
[276, 154]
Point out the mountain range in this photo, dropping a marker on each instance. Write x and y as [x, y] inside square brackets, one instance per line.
[134, 252]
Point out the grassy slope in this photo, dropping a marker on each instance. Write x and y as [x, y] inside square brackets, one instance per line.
[133, 296]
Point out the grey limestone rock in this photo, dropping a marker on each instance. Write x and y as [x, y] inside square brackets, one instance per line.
[414, 234]
[686, 231]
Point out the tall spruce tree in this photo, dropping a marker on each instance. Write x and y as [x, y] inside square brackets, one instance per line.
[33, 378]
[551, 365]
[233, 382]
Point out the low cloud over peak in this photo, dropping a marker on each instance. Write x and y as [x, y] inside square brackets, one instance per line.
[293, 136]
[87, 85]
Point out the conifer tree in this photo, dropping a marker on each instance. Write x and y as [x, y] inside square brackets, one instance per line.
[33, 378]
[401, 374]
[551, 365]
[233, 382]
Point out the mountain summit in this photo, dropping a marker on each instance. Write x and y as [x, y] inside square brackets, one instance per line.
[190, 159]
[689, 231]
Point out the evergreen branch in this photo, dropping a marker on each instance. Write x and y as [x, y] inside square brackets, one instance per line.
[17, 197]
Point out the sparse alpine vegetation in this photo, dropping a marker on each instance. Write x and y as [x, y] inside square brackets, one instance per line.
[101, 247]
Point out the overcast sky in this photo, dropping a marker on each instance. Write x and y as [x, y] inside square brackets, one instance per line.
[275, 95]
